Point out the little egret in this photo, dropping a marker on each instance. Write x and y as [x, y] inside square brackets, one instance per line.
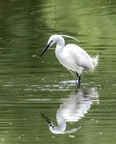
[71, 56]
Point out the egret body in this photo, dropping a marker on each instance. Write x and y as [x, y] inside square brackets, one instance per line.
[71, 56]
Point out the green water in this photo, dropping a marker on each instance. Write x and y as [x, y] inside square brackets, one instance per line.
[30, 85]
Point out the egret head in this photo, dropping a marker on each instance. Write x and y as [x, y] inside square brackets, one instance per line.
[56, 39]
[52, 40]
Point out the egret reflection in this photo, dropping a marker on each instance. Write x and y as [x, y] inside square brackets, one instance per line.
[72, 109]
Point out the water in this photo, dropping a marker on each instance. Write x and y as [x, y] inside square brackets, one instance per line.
[30, 85]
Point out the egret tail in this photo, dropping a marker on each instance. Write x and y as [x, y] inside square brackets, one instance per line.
[95, 61]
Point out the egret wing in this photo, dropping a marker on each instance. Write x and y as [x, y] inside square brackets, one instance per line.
[77, 56]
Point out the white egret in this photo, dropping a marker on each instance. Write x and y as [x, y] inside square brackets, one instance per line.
[71, 56]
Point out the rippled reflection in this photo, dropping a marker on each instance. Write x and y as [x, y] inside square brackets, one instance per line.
[73, 109]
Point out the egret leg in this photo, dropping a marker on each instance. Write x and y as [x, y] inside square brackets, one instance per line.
[79, 80]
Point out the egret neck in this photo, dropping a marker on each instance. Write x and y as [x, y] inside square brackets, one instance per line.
[59, 46]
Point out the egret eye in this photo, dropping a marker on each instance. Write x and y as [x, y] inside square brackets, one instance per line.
[51, 41]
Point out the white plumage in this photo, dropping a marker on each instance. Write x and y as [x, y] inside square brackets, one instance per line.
[71, 56]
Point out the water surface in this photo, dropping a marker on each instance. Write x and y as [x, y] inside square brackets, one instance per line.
[30, 85]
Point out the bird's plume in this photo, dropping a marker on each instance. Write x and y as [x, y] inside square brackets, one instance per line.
[70, 37]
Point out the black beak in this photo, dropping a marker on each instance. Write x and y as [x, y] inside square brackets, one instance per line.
[44, 50]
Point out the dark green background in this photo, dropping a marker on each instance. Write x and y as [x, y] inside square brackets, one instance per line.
[30, 85]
